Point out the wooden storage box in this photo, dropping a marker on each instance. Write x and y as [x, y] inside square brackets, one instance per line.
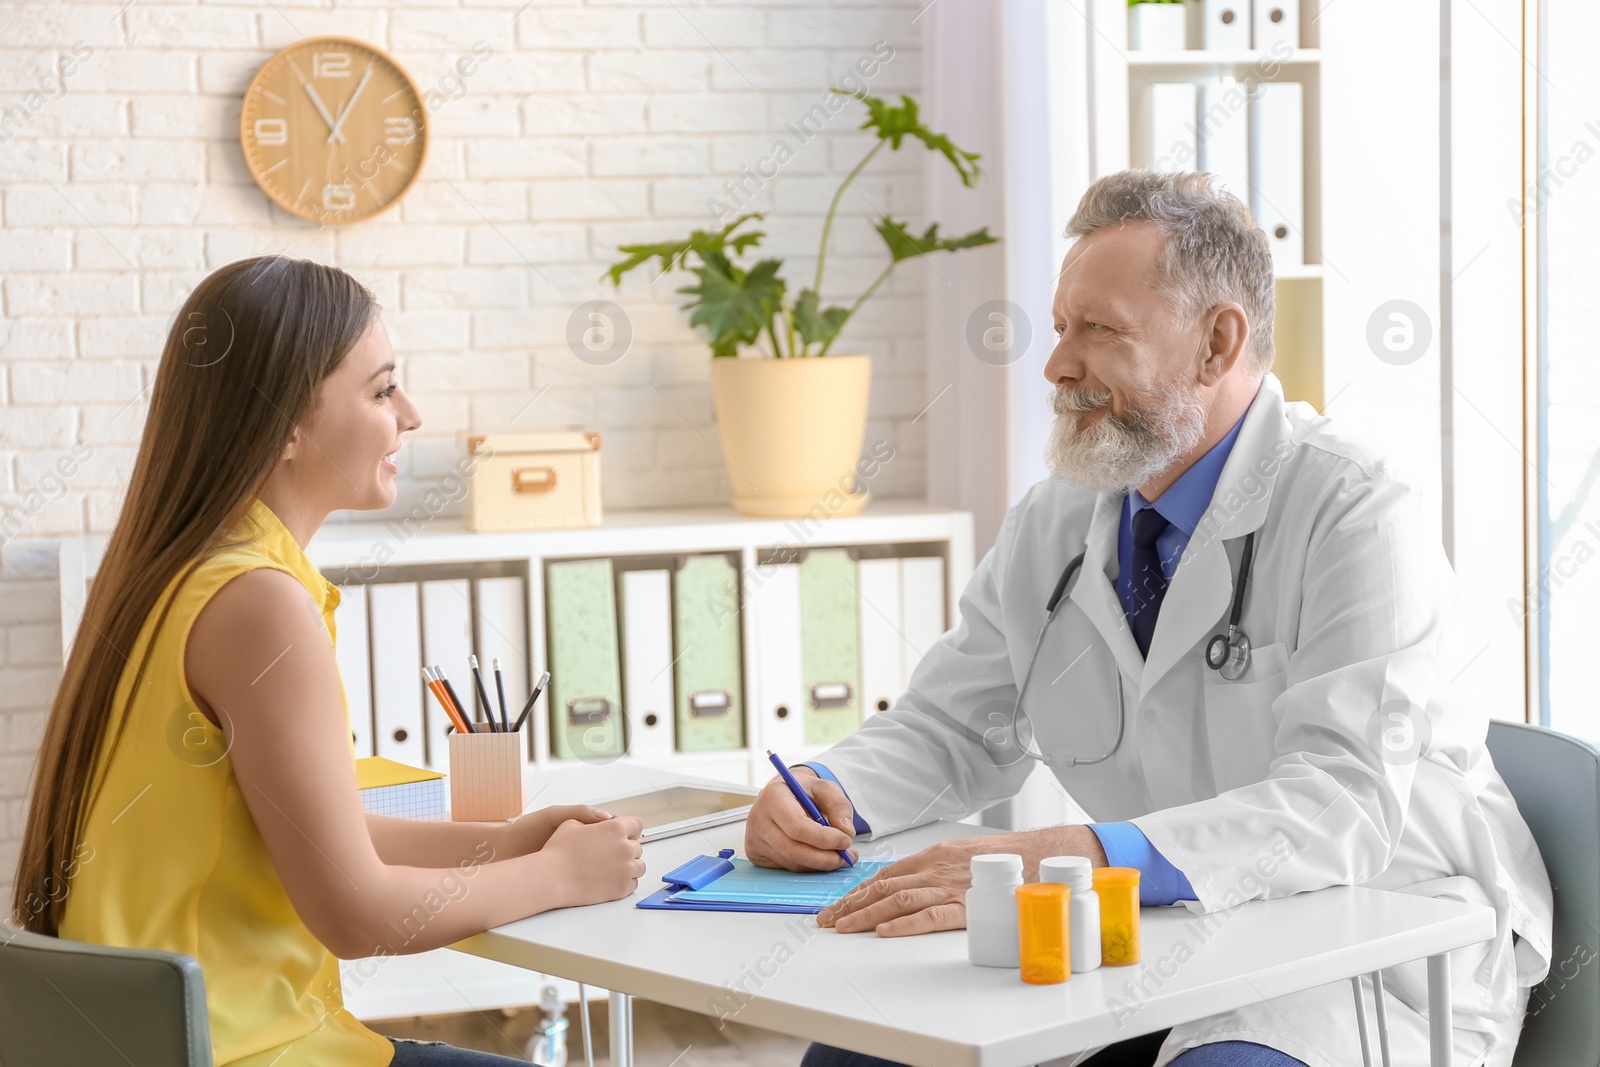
[534, 481]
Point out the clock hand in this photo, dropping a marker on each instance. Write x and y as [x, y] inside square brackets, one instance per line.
[350, 104]
[323, 111]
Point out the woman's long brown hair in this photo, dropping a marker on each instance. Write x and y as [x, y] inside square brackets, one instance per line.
[240, 368]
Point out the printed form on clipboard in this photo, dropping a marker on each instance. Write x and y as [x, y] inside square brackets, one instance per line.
[722, 883]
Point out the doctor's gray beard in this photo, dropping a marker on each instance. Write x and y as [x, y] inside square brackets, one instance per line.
[1121, 452]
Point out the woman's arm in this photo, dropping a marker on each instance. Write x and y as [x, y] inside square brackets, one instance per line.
[261, 664]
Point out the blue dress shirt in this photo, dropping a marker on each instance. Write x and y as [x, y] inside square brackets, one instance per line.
[1182, 505]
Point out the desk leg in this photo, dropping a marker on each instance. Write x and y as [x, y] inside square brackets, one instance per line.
[621, 1030]
[1361, 1022]
[1440, 1038]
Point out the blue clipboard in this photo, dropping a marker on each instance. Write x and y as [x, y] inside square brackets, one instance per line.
[722, 883]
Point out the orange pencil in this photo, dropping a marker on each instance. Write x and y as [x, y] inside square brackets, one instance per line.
[444, 702]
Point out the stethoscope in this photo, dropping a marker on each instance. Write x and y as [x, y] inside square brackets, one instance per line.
[1226, 653]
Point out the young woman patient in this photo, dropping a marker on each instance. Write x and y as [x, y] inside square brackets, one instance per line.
[196, 791]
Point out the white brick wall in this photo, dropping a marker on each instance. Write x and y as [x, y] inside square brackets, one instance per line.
[589, 125]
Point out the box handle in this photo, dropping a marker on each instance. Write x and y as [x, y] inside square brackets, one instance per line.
[533, 479]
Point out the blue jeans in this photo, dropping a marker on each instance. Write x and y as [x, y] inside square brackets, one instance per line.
[409, 1053]
[1139, 1052]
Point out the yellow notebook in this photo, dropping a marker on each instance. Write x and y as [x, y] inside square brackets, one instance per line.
[373, 772]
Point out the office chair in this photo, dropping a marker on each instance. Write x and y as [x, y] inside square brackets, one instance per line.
[70, 1004]
[1556, 782]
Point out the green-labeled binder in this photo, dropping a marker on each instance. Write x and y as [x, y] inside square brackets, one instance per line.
[830, 645]
[585, 677]
[705, 635]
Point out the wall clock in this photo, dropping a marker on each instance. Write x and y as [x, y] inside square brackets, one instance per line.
[333, 130]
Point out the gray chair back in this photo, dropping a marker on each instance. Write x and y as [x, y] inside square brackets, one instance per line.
[75, 1005]
[1556, 782]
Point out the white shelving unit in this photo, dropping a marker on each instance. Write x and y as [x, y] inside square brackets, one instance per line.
[444, 980]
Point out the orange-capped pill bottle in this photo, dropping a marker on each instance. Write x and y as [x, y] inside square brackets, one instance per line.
[1118, 889]
[1043, 932]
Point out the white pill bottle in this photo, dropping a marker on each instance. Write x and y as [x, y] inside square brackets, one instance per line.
[992, 910]
[1083, 907]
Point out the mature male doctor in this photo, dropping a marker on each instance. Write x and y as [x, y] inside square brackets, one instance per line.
[1208, 512]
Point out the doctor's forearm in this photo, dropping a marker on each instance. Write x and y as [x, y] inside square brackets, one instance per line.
[1036, 845]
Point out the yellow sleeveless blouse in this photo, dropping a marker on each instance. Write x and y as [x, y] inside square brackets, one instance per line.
[176, 860]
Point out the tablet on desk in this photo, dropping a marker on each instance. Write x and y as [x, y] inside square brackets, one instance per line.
[678, 809]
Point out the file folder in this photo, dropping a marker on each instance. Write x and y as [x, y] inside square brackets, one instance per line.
[647, 695]
[1275, 24]
[396, 634]
[880, 610]
[706, 629]
[446, 642]
[1218, 25]
[830, 649]
[1225, 135]
[775, 613]
[923, 610]
[1276, 164]
[351, 651]
[1166, 130]
[500, 631]
[585, 677]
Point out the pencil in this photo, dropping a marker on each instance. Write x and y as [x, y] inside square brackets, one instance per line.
[483, 694]
[544, 679]
[448, 688]
[444, 702]
[500, 688]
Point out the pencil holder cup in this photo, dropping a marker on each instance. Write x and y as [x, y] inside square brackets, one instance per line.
[486, 779]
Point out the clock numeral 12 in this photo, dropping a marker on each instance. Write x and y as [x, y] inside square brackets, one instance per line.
[272, 131]
[338, 197]
[327, 64]
[400, 131]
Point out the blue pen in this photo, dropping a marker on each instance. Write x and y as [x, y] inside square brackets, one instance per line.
[805, 801]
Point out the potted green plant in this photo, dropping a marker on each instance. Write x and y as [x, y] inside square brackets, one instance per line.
[1156, 25]
[792, 424]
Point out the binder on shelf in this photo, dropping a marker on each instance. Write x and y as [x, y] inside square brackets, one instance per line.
[446, 642]
[1276, 169]
[1274, 24]
[922, 609]
[774, 610]
[830, 649]
[1164, 133]
[1218, 25]
[350, 650]
[396, 636]
[1225, 135]
[500, 626]
[880, 610]
[585, 678]
[706, 627]
[647, 695]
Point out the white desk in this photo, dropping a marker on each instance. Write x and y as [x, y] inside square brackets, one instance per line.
[918, 1001]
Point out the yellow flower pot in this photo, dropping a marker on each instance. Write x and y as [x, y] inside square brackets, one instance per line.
[792, 431]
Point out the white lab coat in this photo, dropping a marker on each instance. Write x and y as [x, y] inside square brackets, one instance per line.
[1263, 787]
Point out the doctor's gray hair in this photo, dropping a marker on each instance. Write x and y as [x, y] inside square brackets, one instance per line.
[1214, 250]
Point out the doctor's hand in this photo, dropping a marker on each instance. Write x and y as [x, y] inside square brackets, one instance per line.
[778, 832]
[928, 891]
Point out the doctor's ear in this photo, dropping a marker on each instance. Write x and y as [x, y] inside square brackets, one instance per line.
[291, 446]
[1226, 339]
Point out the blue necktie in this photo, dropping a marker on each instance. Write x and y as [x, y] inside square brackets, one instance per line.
[1149, 584]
